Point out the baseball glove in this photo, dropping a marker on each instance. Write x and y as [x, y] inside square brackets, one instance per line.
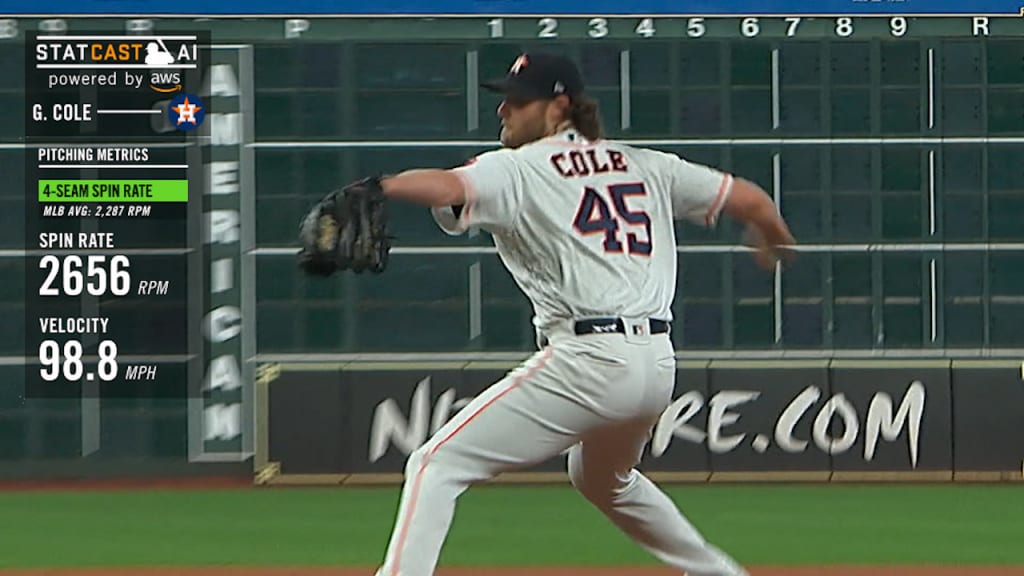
[346, 230]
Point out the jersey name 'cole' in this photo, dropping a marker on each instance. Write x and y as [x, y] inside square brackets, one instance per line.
[587, 228]
[586, 162]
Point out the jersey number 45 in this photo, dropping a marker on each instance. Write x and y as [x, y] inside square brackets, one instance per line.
[593, 217]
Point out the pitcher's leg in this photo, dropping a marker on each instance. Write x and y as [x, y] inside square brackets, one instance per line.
[602, 469]
[515, 423]
[425, 513]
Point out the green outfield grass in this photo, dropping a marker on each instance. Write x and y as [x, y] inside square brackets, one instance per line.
[508, 525]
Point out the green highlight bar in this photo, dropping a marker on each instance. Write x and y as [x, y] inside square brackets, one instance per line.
[113, 190]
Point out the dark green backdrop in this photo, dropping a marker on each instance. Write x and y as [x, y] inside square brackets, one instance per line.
[869, 186]
[898, 158]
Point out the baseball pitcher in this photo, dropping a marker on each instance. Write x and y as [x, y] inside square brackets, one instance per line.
[585, 227]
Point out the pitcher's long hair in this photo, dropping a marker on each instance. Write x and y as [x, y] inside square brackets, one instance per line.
[586, 117]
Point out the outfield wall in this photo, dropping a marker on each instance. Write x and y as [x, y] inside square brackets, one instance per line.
[807, 420]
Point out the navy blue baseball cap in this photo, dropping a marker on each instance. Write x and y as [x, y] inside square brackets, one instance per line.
[539, 76]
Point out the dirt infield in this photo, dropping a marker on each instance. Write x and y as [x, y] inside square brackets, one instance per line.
[531, 571]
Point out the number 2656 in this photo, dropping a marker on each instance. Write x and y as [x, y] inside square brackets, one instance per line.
[99, 276]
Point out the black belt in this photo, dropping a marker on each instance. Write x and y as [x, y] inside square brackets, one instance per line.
[614, 325]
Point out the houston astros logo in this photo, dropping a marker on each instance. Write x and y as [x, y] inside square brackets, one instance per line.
[519, 64]
[186, 111]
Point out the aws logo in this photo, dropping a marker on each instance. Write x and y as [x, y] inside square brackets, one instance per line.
[165, 82]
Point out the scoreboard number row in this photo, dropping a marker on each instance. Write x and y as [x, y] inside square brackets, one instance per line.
[597, 27]
[696, 27]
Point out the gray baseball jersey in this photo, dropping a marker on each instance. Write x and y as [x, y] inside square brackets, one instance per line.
[586, 228]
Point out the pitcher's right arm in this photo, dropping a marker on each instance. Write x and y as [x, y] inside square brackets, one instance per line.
[767, 232]
[701, 193]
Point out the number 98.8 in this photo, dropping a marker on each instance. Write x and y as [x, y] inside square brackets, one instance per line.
[68, 362]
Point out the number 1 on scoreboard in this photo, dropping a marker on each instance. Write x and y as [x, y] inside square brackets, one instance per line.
[497, 26]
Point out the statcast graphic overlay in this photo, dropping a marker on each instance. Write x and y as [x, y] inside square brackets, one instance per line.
[113, 135]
